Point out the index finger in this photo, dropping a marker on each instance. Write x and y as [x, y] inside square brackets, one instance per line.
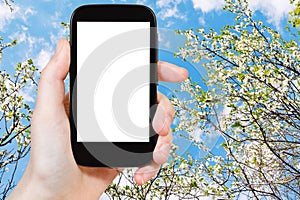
[170, 73]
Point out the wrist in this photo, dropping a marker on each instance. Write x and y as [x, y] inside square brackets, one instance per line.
[26, 189]
[30, 188]
[33, 188]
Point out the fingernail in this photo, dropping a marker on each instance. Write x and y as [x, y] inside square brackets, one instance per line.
[58, 47]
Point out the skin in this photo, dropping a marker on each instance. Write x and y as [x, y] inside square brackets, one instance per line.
[52, 172]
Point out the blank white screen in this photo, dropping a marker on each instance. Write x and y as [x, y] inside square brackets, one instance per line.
[89, 36]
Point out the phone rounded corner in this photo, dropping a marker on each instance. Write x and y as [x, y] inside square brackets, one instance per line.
[151, 13]
[76, 11]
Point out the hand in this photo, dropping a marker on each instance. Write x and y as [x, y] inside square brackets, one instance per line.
[52, 172]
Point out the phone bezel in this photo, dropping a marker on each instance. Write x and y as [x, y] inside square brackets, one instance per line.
[113, 13]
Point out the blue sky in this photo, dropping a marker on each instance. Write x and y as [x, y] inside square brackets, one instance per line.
[36, 25]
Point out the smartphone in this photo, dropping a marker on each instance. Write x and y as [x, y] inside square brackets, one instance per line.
[113, 85]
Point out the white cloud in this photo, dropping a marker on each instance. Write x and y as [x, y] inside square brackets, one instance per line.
[27, 12]
[61, 32]
[164, 3]
[30, 11]
[201, 20]
[28, 93]
[20, 36]
[34, 41]
[43, 58]
[170, 23]
[6, 16]
[273, 10]
[169, 12]
[24, 28]
[141, 1]
[32, 44]
[163, 40]
[208, 5]
[169, 8]
[167, 44]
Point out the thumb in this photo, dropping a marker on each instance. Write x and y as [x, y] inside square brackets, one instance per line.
[51, 88]
[50, 125]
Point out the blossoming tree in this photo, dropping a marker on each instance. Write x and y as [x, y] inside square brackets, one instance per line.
[15, 115]
[252, 100]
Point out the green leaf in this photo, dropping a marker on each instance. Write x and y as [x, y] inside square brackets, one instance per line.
[193, 184]
[30, 62]
[236, 124]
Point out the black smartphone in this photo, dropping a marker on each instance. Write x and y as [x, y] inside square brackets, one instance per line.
[113, 85]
